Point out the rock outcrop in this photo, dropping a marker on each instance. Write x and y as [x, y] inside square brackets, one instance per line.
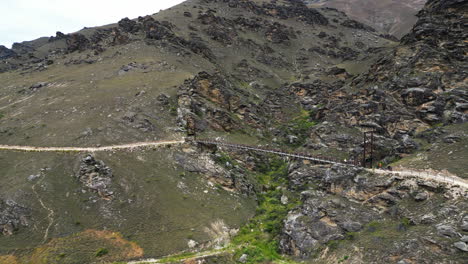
[6, 53]
[427, 70]
[12, 217]
[341, 206]
[96, 177]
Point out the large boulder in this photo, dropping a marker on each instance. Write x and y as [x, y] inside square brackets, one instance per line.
[447, 230]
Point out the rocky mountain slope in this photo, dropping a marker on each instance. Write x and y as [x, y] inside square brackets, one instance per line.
[394, 17]
[275, 73]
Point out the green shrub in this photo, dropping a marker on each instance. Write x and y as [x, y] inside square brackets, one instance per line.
[101, 252]
[373, 226]
[405, 223]
[223, 159]
[343, 259]
[299, 127]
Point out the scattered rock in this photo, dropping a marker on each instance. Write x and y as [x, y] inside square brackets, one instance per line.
[192, 243]
[428, 219]
[461, 246]
[132, 66]
[447, 230]
[430, 185]
[464, 224]
[351, 226]
[33, 177]
[163, 99]
[243, 258]
[38, 86]
[451, 139]
[357, 25]
[421, 196]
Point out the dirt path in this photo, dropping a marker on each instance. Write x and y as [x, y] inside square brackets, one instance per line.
[50, 215]
[91, 149]
[448, 179]
[195, 256]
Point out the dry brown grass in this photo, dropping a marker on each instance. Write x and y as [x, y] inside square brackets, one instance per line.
[8, 259]
[219, 233]
[84, 245]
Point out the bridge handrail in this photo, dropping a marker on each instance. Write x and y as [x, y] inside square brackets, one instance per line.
[275, 151]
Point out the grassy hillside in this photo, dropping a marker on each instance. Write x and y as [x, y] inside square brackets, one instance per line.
[273, 73]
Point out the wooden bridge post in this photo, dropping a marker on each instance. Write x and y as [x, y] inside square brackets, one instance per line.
[372, 149]
[364, 151]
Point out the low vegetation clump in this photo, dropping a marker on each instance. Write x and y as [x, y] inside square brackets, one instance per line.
[101, 252]
[299, 128]
[223, 159]
[259, 238]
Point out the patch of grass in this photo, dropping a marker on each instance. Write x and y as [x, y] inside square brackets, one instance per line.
[343, 259]
[179, 257]
[223, 159]
[244, 85]
[299, 127]
[333, 244]
[1, 115]
[259, 238]
[101, 252]
[405, 222]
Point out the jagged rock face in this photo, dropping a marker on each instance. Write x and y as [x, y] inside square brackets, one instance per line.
[320, 219]
[231, 177]
[191, 100]
[6, 53]
[20, 48]
[12, 217]
[395, 17]
[77, 42]
[296, 9]
[341, 204]
[210, 100]
[428, 69]
[425, 74]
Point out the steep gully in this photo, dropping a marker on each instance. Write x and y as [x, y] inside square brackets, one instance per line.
[438, 177]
